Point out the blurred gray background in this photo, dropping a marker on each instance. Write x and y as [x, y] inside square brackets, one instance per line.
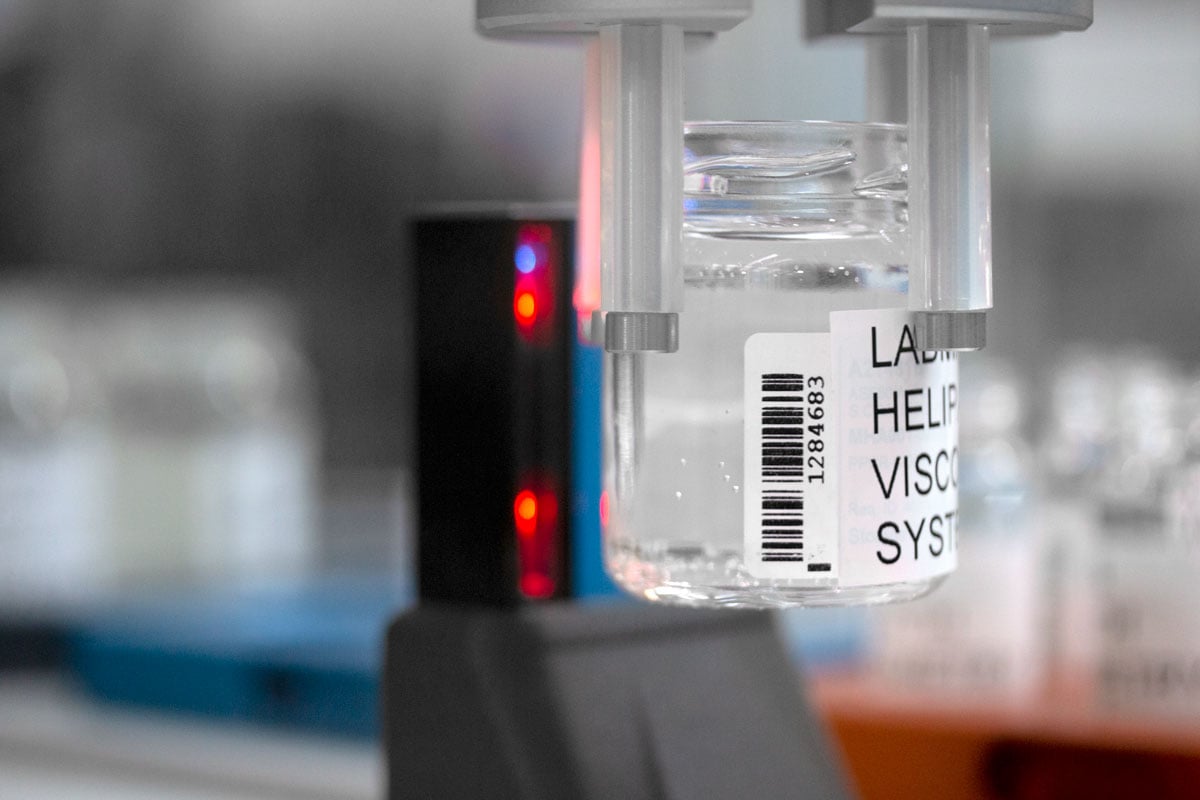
[280, 144]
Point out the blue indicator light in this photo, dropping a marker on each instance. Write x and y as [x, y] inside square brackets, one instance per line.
[526, 259]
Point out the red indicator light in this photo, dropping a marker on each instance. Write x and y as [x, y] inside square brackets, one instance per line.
[535, 514]
[604, 509]
[525, 512]
[537, 586]
[537, 259]
[525, 307]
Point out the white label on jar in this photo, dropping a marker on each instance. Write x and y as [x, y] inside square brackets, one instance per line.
[884, 509]
[897, 450]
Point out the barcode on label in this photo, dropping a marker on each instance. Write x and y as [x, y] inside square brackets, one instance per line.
[783, 467]
[783, 525]
[782, 427]
[782, 519]
[789, 516]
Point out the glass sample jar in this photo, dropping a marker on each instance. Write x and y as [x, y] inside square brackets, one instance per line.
[797, 449]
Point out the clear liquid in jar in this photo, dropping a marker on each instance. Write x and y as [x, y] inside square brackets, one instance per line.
[677, 423]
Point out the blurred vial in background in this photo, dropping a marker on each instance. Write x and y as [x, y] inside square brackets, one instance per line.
[1077, 432]
[52, 546]
[1182, 496]
[982, 633]
[1075, 445]
[1142, 581]
[1147, 447]
[214, 440]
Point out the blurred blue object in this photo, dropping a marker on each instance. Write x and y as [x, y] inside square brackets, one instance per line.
[305, 656]
[588, 579]
[825, 639]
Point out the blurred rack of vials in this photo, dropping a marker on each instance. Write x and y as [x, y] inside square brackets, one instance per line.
[1079, 546]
